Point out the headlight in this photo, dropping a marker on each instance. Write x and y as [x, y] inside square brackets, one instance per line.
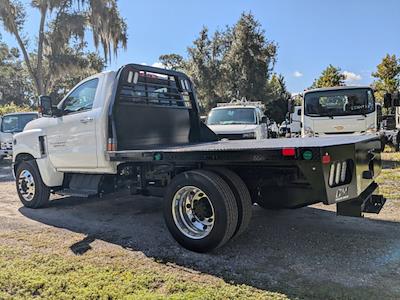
[3, 146]
[249, 135]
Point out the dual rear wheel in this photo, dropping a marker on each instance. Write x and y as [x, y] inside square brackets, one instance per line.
[204, 209]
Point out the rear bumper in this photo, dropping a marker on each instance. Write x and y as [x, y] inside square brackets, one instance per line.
[363, 166]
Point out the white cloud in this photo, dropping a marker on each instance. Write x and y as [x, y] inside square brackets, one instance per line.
[350, 76]
[157, 64]
[297, 74]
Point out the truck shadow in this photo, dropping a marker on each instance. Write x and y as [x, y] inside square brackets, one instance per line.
[288, 251]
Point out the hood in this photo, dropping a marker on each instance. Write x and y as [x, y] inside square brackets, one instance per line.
[233, 128]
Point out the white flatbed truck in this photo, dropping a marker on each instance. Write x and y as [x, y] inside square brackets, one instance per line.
[139, 129]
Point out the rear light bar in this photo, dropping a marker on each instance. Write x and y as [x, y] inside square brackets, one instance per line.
[340, 173]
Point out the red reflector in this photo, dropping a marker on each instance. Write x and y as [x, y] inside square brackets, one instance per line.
[326, 159]
[288, 151]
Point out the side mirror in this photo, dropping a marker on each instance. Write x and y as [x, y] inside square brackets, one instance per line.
[387, 100]
[45, 106]
[264, 120]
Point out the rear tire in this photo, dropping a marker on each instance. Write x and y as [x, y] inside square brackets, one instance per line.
[200, 228]
[32, 192]
[242, 195]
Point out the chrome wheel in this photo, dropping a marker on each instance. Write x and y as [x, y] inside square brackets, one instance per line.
[193, 212]
[26, 185]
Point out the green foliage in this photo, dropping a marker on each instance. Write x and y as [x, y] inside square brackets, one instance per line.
[13, 87]
[54, 277]
[247, 60]
[232, 63]
[173, 61]
[330, 77]
[62, 29]
[388, 76]
[204, 67]
[12, 107]
[278, 98]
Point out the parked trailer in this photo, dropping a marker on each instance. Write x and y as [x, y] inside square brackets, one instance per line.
[139, 128]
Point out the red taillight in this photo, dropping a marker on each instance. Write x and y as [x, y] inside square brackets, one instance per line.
[326, 158]
[288, 151]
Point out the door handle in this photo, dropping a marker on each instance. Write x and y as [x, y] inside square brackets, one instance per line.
[86, 120]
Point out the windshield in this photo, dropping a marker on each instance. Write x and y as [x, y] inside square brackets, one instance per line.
[227, 116]
[16, 123]
[339, 103]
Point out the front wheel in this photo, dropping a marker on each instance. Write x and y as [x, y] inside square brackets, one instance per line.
[200, 210]
[32, 192]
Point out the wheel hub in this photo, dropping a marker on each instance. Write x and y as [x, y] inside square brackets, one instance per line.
[26, 185]
[193, 212]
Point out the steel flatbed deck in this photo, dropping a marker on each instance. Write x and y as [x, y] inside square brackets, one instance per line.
[238, 150]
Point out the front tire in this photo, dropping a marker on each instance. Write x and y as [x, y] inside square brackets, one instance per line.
[32, 192]
[200, 210]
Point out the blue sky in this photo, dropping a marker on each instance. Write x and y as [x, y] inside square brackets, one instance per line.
[353, 35]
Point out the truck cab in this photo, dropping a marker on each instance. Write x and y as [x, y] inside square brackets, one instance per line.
[11, 124]
[338, 111]
[238, 120]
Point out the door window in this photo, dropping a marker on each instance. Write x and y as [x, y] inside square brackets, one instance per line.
[81, 99]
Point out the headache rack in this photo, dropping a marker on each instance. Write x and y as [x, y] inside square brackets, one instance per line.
[152, 88]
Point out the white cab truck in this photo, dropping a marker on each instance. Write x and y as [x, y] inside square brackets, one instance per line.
[339, 110]
[139, 130]
[238, 119]
[11, 124]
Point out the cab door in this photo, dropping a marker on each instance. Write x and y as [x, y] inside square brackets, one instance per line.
[72, 137]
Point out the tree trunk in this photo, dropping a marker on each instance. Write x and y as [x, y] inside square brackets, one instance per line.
[39, 68]
[27, 61]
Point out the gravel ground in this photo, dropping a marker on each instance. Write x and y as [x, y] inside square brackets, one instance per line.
[305, 253]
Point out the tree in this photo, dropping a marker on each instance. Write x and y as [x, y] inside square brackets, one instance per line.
[248, 59]
[12, 76]
[204, 67]
[62, 29]
[388, 76]
[330, 77]
[173, 61]
[232, 63]
[278, 98]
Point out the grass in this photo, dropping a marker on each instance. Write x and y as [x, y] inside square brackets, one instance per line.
[389, 179]
[49, 276]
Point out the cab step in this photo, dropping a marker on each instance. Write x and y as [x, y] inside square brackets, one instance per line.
[76, 193]
[82, 185]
